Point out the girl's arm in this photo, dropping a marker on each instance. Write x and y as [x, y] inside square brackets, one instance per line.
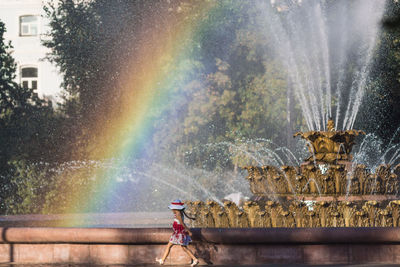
[179, 217]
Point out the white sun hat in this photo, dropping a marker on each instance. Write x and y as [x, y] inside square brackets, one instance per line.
[177, 205]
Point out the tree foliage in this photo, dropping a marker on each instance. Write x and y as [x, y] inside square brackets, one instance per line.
[235, 90]
[26, 121]
[29, 132]
[380, 113]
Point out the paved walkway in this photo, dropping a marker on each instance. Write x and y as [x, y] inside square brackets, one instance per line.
[152, 265]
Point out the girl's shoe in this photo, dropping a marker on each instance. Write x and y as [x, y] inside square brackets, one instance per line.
[161, 261]
[194, 263]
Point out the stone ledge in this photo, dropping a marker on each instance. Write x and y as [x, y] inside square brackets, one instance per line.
[300, 235]
[213, 246]
[346, 235]
[32, 235]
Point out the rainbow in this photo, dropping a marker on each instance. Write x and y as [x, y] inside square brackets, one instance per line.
[155, 73]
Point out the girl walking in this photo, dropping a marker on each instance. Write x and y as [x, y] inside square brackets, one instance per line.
[181, 235]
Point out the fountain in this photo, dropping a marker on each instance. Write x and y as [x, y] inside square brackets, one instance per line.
[324, 210]
[326, 190]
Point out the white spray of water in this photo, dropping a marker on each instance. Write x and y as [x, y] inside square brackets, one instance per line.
[327, 48]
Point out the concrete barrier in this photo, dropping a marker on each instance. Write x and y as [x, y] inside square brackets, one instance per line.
[212, 245]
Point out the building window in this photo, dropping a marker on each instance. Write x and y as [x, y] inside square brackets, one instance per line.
[29, 25]
[29, 77]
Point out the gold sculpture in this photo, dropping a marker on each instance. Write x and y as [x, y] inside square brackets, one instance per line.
[330, 146]
[342, 195]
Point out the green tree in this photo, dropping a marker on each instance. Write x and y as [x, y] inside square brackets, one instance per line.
[28, 133]
[92, 43]
[24, 118]
[240, 87]
[12, 97]
[243, 97]
[28, 186]
[379, 113]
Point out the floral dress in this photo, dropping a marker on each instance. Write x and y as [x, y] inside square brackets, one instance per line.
[180, 236]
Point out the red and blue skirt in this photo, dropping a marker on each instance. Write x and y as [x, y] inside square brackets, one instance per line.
[180, 236]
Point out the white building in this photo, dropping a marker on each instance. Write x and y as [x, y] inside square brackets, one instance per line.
[26, 26]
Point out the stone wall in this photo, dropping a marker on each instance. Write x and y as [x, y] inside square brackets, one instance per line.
[212, 246]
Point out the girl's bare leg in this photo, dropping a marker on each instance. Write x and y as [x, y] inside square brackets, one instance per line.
[167, 250]
[191, 255]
